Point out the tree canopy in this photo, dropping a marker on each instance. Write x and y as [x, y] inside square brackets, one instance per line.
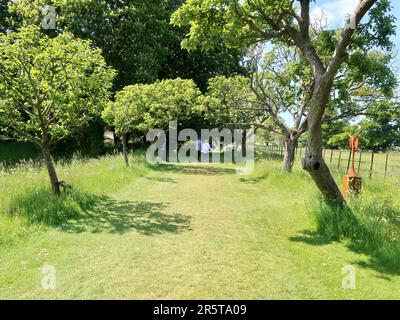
[136, 38]
[49, 87]
[229, 102]
[142, 107]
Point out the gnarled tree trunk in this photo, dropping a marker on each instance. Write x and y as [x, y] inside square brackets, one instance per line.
[313, 161]
[319, 171]
[51, 169]
[290, 149]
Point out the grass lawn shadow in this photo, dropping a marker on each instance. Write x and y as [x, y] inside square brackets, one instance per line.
[253, 180]
[161, 179]
[365, 229]
[199, 169]
[145, 217]
[310, 237]
[385, 261]
[79, 211]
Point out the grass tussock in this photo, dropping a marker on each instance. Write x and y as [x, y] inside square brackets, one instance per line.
[43, 207]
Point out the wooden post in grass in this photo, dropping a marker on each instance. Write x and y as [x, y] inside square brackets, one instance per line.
[340, 156]
[372, 164]
[330, 161]
[359, 162]
[348, 162]
[386, 164]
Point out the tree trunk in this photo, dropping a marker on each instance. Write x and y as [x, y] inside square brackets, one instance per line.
[290, 148]
[318, 169]
[244, 140]
[51, 170]
[124, 148]
[314, 162]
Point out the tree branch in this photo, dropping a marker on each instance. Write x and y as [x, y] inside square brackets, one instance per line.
[340, 53]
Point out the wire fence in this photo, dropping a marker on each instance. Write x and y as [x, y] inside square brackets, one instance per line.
[367, 163]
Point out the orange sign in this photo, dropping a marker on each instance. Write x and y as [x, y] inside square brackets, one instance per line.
[353, 143]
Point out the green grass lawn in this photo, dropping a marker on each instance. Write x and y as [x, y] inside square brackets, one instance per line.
[184, 231]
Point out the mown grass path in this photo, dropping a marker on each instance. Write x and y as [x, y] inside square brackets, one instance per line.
[193, 232]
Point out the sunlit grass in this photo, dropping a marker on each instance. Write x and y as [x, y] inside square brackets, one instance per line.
[191, 231]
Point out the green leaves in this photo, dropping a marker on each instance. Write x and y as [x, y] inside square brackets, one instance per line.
[379, 28]
[50, 87]
[142, 107]
[229, 101]
[236, 23]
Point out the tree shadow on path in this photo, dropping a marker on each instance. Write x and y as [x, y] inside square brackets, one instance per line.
[200, 169]
[78, 211]
[253, 180]
[113, 216]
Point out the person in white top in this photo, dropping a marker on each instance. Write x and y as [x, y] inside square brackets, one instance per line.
[197, 145]
[205, 150]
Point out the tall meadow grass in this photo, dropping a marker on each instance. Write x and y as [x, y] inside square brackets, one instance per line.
[27, 204]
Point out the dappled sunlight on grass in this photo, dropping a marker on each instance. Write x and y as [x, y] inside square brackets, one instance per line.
[145, 217]
[77, 212]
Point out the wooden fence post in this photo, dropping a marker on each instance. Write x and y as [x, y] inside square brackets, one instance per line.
[340, 156]
[348, 162]
[359, 162]
[331, 156]
[386, 164]
[372, 164]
